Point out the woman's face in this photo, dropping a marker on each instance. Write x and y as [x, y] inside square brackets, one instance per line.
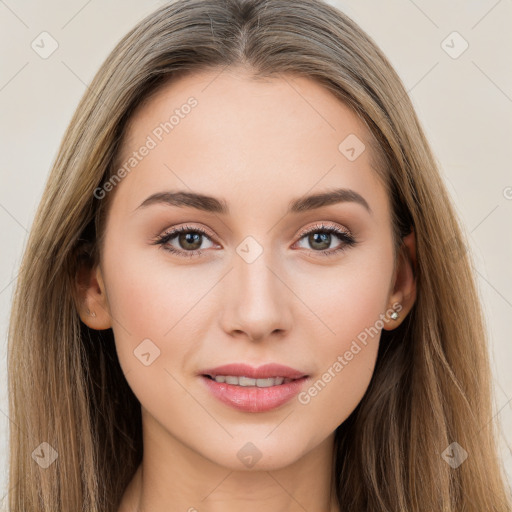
[260, 275]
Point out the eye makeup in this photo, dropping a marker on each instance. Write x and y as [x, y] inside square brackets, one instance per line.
[325, 231]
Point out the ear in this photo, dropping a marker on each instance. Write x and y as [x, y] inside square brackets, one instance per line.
[403, 292]
[93, 306]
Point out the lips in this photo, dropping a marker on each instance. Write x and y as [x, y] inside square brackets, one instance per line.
[266, 371]
[276, 385]
[254, 399]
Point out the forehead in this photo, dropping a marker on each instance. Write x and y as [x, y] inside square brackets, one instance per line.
[283, 104]
[209, 130]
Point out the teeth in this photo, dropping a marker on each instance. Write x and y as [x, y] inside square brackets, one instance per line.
[247, 381]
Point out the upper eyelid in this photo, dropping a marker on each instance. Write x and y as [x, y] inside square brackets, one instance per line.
[174, 230]
[320, 226]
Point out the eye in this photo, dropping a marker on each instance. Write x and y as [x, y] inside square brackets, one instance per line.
[188, 238]
[320, 238]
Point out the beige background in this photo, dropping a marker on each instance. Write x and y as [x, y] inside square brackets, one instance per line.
[464, 103]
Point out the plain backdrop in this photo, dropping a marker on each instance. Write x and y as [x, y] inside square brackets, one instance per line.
[463, 99]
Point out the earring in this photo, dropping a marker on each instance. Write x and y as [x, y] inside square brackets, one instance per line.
[394, 315]
[93, 314]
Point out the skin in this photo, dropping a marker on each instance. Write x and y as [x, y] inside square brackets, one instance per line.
[257, 145]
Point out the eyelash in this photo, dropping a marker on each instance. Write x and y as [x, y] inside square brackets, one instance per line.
[347, 239]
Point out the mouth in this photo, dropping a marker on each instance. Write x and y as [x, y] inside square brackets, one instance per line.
[251, 389]
[243, 374]
[246, 382]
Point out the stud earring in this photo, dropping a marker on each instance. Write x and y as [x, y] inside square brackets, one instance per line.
[394, 315]
[91, 313]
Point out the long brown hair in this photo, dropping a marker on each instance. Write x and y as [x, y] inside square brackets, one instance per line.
[431, 386]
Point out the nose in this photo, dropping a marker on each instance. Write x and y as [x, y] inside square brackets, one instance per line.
[257, 302]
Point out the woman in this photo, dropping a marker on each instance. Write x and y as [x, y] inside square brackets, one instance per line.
[236, 293]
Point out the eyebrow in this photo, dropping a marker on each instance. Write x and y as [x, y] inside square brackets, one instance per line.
[213, 205]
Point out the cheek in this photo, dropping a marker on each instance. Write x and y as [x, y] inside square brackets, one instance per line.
[147, 294]
[152, 299]
[147, 305]
[140, 303]
[349, 306]
[350, 297]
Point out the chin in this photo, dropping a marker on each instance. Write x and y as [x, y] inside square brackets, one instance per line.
[257, 455]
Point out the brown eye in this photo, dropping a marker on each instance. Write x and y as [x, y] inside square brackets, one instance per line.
[320, 241]
[320, 237]
[189, 240]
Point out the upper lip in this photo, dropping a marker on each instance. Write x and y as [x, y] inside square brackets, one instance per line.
[261, 372]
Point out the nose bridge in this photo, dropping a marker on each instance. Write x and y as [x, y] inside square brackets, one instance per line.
[256, 302]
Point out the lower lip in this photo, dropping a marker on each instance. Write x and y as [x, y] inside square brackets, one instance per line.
[252, 398]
